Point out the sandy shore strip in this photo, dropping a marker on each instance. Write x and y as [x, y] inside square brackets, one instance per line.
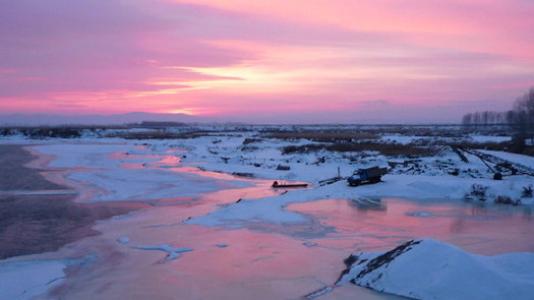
[38, 215]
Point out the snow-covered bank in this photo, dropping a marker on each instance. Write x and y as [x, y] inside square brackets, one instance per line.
[27, 279]
[128, 171]
[267, 260]
[428, 269]
[446, 175]
[475, 138]
[524, 160]
[133, 170]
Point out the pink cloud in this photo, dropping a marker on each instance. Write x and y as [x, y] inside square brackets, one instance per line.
[287, 58]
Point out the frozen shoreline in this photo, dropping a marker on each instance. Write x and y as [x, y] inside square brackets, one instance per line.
[123, 183]
[131, 162]
[35, 222]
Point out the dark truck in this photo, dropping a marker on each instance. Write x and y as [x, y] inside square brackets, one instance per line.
[367, 176]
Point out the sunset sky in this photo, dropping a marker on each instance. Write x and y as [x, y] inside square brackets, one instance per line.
[300, 61]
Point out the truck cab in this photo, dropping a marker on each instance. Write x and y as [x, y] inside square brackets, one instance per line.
[366, 176]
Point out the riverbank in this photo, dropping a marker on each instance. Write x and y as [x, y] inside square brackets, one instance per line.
[37, 215]
[254, 246]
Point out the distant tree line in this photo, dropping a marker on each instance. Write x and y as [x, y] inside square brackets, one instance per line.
[485, 118]
[520, 118]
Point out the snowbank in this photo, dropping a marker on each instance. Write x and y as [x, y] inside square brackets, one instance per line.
[490, 138]
[429, 269]
[524, 160]
[400, 139]
[128, 171]
[27, 279]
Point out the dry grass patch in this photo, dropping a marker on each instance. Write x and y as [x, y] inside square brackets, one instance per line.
[156, 135]
[385, 149]
[324, 136]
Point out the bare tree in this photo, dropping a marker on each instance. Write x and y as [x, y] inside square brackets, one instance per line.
[524, 115]
[476, 118]
[467, 119]
[485, 117]
[520, 119]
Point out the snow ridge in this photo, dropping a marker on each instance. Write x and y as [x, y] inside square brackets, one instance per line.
[429, 269]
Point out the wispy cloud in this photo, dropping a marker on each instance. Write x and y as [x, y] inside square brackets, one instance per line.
[240, 59]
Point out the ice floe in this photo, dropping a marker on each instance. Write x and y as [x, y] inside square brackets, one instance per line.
[172, 252]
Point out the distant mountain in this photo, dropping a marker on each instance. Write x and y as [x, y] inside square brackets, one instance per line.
[53, 119]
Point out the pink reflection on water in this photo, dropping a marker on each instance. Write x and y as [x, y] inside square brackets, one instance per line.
[168, 161]
[257, 188]
[271, 261]
[254, 265]
[487, 229]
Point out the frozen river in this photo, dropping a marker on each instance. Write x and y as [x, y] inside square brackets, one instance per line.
[158, 253]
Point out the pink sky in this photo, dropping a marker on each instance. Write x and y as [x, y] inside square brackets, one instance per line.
[308, 61]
